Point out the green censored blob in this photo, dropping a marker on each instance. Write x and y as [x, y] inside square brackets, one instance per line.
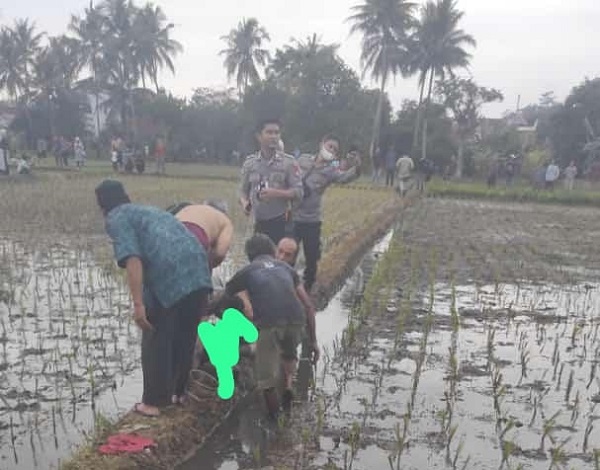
[222, 344]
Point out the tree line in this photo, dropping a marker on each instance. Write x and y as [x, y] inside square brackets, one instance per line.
[109, 60]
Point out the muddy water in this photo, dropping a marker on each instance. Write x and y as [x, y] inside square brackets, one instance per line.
[68, 350]
[538, 344]
[245, 439]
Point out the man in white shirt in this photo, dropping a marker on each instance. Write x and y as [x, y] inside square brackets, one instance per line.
[404, 169]
[552, 174]
[570, 174]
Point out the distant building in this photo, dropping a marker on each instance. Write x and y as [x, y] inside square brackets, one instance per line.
[8, 113]
[95, 124]
[527, 131]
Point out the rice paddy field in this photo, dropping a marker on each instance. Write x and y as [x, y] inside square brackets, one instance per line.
[475, 346]
[468, 340]
[69, 352]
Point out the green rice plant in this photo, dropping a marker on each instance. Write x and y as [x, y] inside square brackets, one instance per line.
[589, 428]
[548, 430]
[558, 457]
[354, 440]
[569, 386]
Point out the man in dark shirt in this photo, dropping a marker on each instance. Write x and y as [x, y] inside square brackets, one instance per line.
[275, 292]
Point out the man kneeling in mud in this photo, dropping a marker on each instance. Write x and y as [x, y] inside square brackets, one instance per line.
[287, 251]
[274, 290]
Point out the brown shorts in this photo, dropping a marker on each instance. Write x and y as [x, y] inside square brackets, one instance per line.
[275, 343]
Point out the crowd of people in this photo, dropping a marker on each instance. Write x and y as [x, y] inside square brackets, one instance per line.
[401, 172]
[128, 157]
[169, 256]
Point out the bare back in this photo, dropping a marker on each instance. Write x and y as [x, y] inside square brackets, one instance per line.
[218, 226]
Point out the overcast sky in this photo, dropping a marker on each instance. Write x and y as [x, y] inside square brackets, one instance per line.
[525, 47]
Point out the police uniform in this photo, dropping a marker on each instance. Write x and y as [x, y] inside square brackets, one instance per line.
[280, 172]
[307, 214]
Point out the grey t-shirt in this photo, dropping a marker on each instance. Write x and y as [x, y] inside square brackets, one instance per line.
[318, 179]
[271, 286]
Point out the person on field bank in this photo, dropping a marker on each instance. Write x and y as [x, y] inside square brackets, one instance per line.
[169, 280]
[79, 150]
[318, 174]
[552, 174]
[270, 181]
[404, 169]
[391, 157]
[378, 165]
[570, 175]
[160, 153]
[274, 289]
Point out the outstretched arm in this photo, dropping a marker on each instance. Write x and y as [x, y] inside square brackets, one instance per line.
[222, 244]
[310, 320]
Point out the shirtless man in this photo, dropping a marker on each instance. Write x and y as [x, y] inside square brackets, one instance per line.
[211, 226]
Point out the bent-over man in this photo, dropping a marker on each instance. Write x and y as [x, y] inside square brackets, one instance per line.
[274, 290]
[169, 281]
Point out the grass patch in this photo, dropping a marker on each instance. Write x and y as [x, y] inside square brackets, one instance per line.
[517, 193]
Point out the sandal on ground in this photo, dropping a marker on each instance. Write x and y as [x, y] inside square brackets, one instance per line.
[138, 410]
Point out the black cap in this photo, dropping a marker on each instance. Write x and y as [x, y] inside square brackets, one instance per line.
[111, 194]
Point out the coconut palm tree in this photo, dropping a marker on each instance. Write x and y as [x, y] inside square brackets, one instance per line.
[90, 31]
[292, 63]
[385, 27]
[153, 46]
[12, 75]
[438, 47]
[56, 70]
[19, 46]
[245, 53]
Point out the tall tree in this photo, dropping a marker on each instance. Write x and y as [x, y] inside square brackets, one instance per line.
[292, 63]
[19, 46]
[438, 48]
[245, 53]
[153, 46]
[90, 31]
[385, 26]
[464, 98]
[56, 70]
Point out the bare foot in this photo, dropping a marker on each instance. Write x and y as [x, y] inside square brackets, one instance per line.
[146, 410]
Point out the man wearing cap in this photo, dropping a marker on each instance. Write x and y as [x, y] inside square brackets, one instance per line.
[270, 180]
[169, 280]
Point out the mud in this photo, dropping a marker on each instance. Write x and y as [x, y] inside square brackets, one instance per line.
[475, 347]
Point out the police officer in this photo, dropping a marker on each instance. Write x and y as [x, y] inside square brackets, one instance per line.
[270, 181]
[318, 173]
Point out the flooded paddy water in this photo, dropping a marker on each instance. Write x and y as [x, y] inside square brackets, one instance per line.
[468, 338]
[476, 347]
[69, 352]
